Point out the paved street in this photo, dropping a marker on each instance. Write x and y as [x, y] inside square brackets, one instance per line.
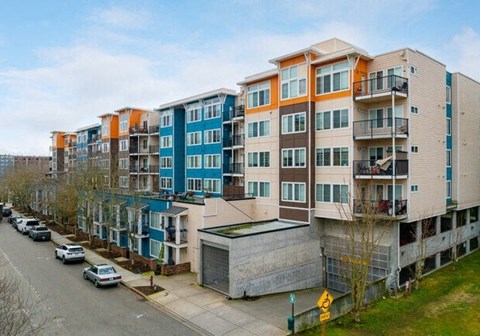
[74, 306]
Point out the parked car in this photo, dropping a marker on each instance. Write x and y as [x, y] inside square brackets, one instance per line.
[69, 252]
[25, 224]
[6, 212]
[39, 233]
[14, 217]
[102, 275]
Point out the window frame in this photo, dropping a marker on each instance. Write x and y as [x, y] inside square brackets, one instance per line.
[257, 89]
[293, 192]
[294, 157]
[196, 159]
[210, 158]
[291, 80]
[255, 127]
[331, 73]
[290, 122]
[196, 182]
[211, 133]
[166, 182]
[166, 138]
[193, 135]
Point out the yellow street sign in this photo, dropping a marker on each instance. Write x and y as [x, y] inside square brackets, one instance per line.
[324, 316]
[325, 301]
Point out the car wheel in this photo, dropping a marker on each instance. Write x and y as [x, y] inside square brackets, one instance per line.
[96, 283]
[85, 276]
[64, 260]
[56, 255]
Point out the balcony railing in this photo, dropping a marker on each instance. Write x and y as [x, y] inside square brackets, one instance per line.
[154, 169]
[380, 207]
[235, 140]
[154, 129]
[154, 149]
[133, 149]
[172, 235]
[143, 229]
[236, 112]
[380, 128]
[372, 168]
[234, 168]
[380, 85]
[138, 169]
[138, 130]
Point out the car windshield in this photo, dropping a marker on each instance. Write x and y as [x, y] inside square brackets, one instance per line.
[42, 228]
[75, 249]
[107, 270]
[32, 223]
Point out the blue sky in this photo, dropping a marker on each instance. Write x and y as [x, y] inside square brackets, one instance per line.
[64, 62]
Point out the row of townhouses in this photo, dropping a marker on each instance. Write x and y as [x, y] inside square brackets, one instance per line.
[247, 188]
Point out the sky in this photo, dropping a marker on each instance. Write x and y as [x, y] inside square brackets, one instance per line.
[65, 62]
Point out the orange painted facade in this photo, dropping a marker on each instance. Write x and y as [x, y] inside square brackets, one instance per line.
[113, 128]
[58, 140]
[273, 96]
[133, 119]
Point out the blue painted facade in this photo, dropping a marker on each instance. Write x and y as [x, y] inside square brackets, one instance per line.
[84, 138]
[448, 139]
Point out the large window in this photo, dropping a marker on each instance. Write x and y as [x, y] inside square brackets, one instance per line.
[293, 123]
[323, 193]
[124, 181]
[212, 185]
[340, 193]
[259, 128]
[156, 220]
[293, 192]
[212, 111]
[323, 157]
[194, 138]
[166, 162]
[124, 122]
[294, 82]
[212, 136]
[259, 189]
[123, 145]
[376, 118]
[166, 141]
[323, 120]
[340, 156]
[155, 248]
[123, 163]
[333, 78]
[166, 119]
[258, 159]
[194, 161]
[328, 193]
[166, 182]
[194, 184]
[194, 114]
[105, 127]
[293, 157]
[212, 160]
[258, 94]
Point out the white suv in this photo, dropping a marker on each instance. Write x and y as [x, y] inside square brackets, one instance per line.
[69, 252]
[26, 224]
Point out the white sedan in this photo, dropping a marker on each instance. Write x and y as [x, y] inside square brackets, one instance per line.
[102, 275]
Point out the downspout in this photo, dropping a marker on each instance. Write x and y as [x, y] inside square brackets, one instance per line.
[458, 133]
[309, 134]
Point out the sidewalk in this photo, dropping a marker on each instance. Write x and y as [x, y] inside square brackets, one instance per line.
[208, 311]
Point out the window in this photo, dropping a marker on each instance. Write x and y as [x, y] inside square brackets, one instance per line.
[323, 157]
[123, 163]
[212, 161]
[156, 220]
[212, 111]
[123, 145]
[166, 162]
[124, 122]
[322, 120]
[414, 149]
[449, 189]
[449, 157]
[376, 118]
[194, 138]
[258, 159]
[258, 95]
[212, 136]
[194, 114]
[166, 141]
[293, 192]
[124, 181]
[166, 119]
[155, 248]
[340, 156]
[414, 187]
[212, 185]
[105, 127]
[293, 123]
[145, 144]
[449, 94]
[166, 182]
[194, 161]
[332, 78]
[449, 126]
[322, 193]
[340, 193]
[259, 128]
[105, 147]
[259, 189]
[293, 157]
[413, 70]
[413, 109]
[294, 82]
[340, 118]
[194, 184]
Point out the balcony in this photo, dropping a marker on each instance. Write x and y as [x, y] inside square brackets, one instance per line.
[172, 236]
[138, 169]
[234, 169]
[138, 130]
[381, 128]
[154, 129]
[380, 88]
[380, 169]
[235, 113]
[154, 169]
[154, 149]
[143, 231]
[380, 207]
[235, 141]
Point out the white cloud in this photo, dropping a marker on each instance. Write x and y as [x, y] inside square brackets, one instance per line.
[465, 53]
[123, 18]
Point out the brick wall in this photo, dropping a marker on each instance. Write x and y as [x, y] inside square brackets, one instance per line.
[175, 269]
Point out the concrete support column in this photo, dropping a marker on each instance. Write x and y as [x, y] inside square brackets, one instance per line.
[438, 225]
[437, 260]
[177, 230]
[139, 249]
[177, 255]
[418, 231]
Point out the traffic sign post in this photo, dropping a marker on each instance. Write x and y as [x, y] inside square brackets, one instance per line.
[324, 303]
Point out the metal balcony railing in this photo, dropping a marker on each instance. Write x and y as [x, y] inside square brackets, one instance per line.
[236, 112]
[143, 229]
[234, 168]
[154, 149]
[380, 128]
[380, 85]
[389, 168]
[154, 169]
[235, 140]
[138, 130]
[380, 207]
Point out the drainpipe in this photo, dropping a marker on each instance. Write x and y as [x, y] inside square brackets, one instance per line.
[309, 134]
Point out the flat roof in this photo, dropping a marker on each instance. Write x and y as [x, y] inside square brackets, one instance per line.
[248, 229]
[197, 97]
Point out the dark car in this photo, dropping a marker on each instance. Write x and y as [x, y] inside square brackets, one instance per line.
[12, 218]
[6, 212]
[39, 233]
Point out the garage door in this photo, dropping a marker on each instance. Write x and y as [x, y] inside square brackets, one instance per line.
[215, 268]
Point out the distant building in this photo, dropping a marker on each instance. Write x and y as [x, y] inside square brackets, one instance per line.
[13, 162]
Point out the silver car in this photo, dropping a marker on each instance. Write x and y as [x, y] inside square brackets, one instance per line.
[102, 275]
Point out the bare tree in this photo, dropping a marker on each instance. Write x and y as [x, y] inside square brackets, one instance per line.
[457, 239]
[364, 226]
[20, 185]
[428, 229]
[135, 221]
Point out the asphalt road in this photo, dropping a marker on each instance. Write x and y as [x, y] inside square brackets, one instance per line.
[73, 305]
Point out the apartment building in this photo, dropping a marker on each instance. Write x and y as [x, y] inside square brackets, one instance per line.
[57, 149]
[12, 162]
[88, 138]
[109, 148]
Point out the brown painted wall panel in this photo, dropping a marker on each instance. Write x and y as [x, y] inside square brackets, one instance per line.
[299, 215]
